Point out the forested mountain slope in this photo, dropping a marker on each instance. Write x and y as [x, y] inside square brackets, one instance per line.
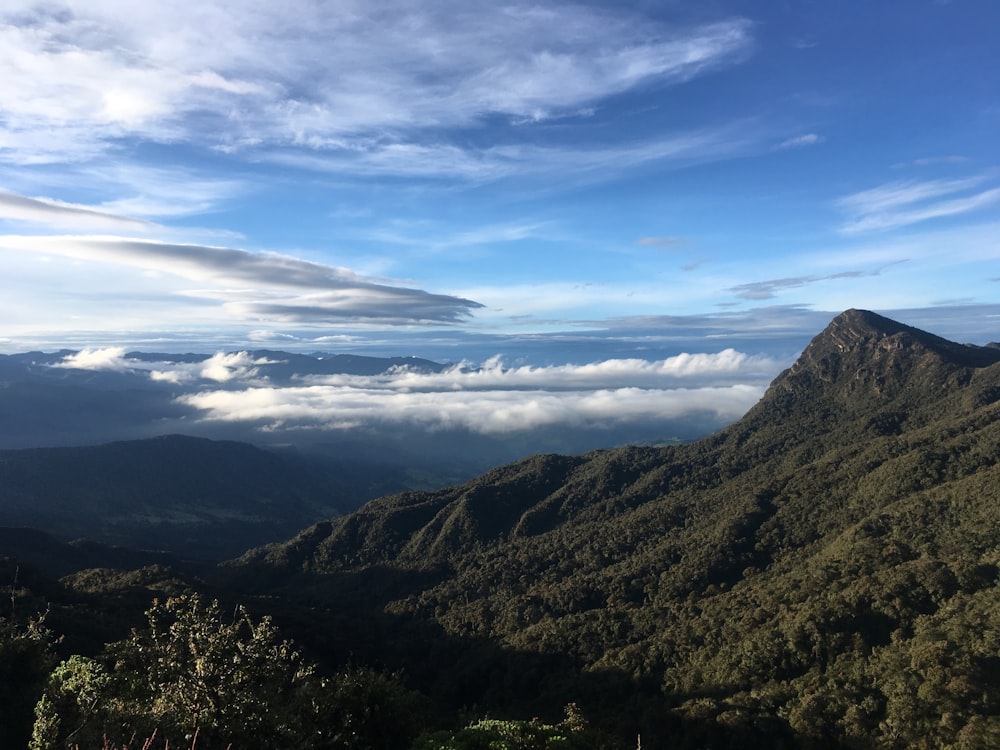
[822, 573]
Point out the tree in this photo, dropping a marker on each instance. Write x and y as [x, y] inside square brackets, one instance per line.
[25, 661]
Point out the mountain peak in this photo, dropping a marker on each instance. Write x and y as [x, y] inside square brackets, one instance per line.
[865, 361]
[867, 340]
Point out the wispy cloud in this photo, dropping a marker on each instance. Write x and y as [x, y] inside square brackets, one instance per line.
[930, 161]
[161, 192]
[52, 213]
[269, 285]
[122, 196]
[695, 264]
[448, 160]
[89, 75]
[761, 290]
[798, 141]
[432, 237]
[899, 204]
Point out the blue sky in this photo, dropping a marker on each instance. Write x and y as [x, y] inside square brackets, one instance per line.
[549, 181]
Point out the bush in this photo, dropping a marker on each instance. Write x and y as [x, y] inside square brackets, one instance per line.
[495, 734]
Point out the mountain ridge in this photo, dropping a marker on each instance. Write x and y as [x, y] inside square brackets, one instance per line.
[783, 581]
[848, 387]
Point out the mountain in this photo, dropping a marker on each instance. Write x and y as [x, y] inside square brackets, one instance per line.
[823, 573]
[194, 497]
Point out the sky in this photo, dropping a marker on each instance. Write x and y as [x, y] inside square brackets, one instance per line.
[552, 182]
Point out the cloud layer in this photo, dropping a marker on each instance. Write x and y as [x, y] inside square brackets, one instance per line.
[490, 412]
[490, 400]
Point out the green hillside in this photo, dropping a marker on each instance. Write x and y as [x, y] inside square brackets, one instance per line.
[821, 574]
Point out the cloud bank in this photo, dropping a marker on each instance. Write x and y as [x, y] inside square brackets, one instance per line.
[728, 366]
[494, 399]
[491, 399]
[490, 412]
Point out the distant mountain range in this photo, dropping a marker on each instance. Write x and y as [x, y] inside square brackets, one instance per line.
[824, 573]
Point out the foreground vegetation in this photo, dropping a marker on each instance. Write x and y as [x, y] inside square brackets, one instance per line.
[195, 672]
[196, 676]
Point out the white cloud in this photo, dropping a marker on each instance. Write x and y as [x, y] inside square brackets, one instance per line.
[221, 367]
[486, 412]
[495, 399]
[315, 75]
[110, 358]
[898, 204]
